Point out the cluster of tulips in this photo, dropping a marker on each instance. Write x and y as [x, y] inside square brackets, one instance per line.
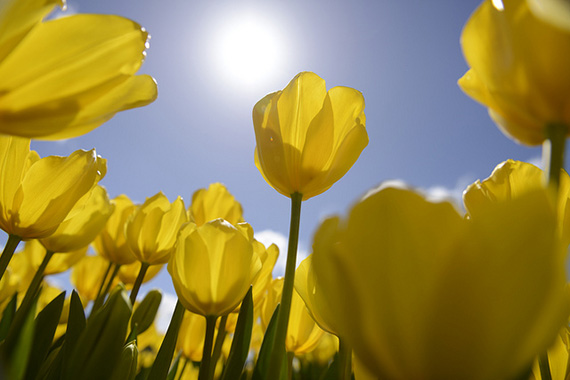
[401, 288]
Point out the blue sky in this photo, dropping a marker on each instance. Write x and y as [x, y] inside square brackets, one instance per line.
[405, 57]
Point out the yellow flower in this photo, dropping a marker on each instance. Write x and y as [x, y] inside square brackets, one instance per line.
[558, 358]
[36, 194]
[519, 68]
[83, 223]
[312, 295]
[308, 138]
[151, 230]
[111, 242]
[428, 294]
[128, 273]
[34, 253]
[213, 267]
[213, 203]
[191, 336]
[87, 276]
[63, 78]
[303, 334]
[511, 179]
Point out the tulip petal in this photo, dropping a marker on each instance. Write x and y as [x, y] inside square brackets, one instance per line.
[18, 17]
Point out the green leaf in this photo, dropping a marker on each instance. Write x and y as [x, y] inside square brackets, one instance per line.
[159, 369]
[8, 316]
[46, 322]
[242, 338]
[332, 372]
[17, 357]
[99, 346]
[174, 367]
[146, 311]
[260, 370]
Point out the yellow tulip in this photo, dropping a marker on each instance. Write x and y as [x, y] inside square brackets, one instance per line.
[191, 336]
[148, 342]
[87, 276]
[111, 242]
[213, 203]
[128, 273]
[303, 334]
[63, 78]
[34, 253]
[519, 68]
[152, 228]
[83, 223]
[511, 179]
[36, 195]
[428, 294]
[268, 258]
[558, 358]
[213, 267]
[312, 295]
[308, 138]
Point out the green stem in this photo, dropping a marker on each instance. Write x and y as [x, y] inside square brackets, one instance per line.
[553, 153]
[219, 342]
[278, 351]
[345, 360]
[8, 252]
[204, 373]
[183, 369]
[290, 357]
[104, 279]
[553, 158]
[101, 298]
[138, 282]
[26, 304]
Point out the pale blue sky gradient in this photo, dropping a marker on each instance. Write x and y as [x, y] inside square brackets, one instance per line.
[405, 57]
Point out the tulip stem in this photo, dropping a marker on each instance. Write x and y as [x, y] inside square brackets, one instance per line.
[283, 317]
[290, 357]
[26, 304]
[104, 279]
[345, 360]
[138, 282]
[219, 341]
[183, 369]
[8, 252]
[101, 297]
[553, 152]
[205, 372]
[553, 158]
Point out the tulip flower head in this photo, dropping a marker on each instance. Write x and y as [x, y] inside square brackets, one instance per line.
[511, 179]
[519, 66]
[213, 203]
[307, 137]
[84, 222]
[111, 242]
[213, 267]
[63, 78]
[151, 230]
[303, 334]
[429, 294]
[36, 195]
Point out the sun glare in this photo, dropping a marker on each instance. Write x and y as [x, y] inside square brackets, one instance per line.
[248, 50]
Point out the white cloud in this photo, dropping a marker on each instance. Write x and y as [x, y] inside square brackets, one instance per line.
[165, 312]
[455, 194]
[536, 161]
[268, 237]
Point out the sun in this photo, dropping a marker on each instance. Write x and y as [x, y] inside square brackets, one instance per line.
[248, 49]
